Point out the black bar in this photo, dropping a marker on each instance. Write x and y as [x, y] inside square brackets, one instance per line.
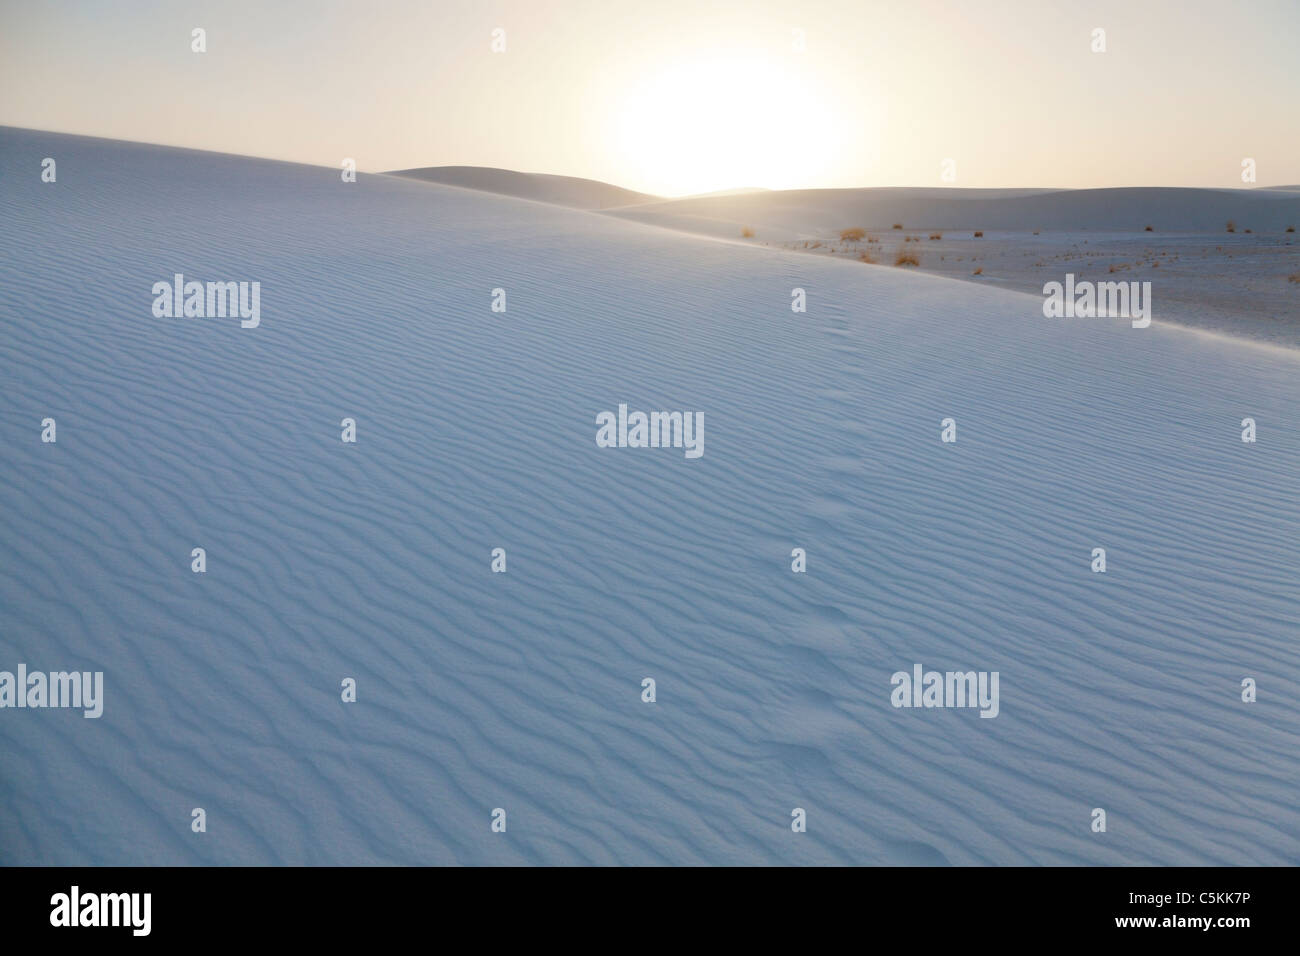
[909, 906]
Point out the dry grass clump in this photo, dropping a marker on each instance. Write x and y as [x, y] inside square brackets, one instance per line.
[936, 235]
[1293, 277]
[1149, 229]
[747, 233]
[979, 234]
[898, 225]
[867, 258]
[978, 272]
[1290, 228]
[852, 235]
[905, 258]
[1232, 226]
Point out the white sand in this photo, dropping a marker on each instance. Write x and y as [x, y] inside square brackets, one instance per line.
[477, 430]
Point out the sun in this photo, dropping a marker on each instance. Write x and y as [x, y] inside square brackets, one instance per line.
[723, 122]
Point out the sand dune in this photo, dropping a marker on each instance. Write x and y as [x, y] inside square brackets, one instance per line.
[522, 690]
[539, 187]
[822, 212]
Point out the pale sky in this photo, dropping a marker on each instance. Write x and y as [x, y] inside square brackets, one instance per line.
[682, 96]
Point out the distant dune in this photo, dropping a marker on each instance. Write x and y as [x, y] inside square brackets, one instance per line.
[799, 213]
[736, 191]
[540, 187]
[821, 212]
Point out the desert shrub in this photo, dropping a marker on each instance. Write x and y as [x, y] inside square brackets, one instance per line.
[898, 225]
[905, 258]
[852, 235]
[867, 258]
[978, 272]
[979, 234]
[1232, 226]
[936, 235]
[747, 232]
[1290, 228]
[1149, 229]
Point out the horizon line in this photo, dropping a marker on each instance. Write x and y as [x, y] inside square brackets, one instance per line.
[706, 193]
